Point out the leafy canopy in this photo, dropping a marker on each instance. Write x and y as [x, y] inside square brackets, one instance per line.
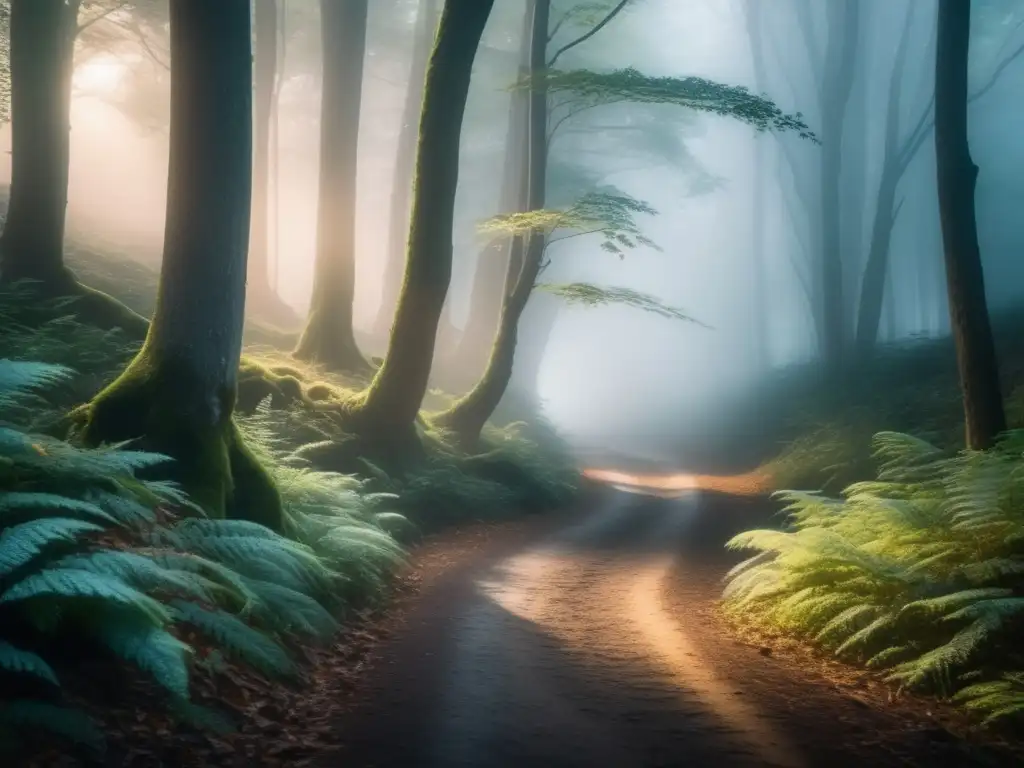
[582, 89]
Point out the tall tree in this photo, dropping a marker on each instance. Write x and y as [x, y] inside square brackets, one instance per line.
[894, 161]
[489, 280]
[608, 213]
[329, 336]
[759, 314]
[42, 44]
[469, 414]
[957, 177]
[842, 19]
[540, 316]
[42, 61]
[388, 410]
[178, 394]
[261, 298]
[405, 165]
[899, 152]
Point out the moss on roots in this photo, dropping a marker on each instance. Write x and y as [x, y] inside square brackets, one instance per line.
[155, 401]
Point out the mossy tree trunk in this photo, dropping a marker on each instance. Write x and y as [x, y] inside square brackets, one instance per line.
[468, 415]
[261, 299]
[489, 281]
[405, 166]
[390, 406]
[42, 44]
[328, 337]
[957, 176]
[177, 395]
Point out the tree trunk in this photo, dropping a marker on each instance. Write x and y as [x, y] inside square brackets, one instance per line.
[261, 299]
[405, 166]
[759, 314]
[872, 293]
[42, 44]
[42, 41]
[957, 176]
[839, 73]
[328, 337]
[469, 414]
[490, 281]
[177, 395]
[390, 406]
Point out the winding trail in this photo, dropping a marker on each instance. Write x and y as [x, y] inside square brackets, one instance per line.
[591, 645]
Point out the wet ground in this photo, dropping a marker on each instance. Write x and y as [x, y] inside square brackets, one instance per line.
[595, 643]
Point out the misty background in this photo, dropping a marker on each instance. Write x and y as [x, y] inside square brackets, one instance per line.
[613, 373]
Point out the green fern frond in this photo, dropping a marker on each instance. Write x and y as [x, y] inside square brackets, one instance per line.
[16, 504]
[151, 649]
[25, 662]
[72, 724]
[237, 638]
[20, 544]
[71, 583]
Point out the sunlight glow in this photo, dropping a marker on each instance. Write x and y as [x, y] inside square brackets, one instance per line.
[672, 485]
[102, 74]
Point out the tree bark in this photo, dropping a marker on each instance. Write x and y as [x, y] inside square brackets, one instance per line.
[405, 166]
[177, 395]
[469, 414]
[42, 44]
[390, 406]
[42, 41]
[261, 299]
[490, 281]
[957, 176]
[328, 337]
[840, 62]
[759, 313]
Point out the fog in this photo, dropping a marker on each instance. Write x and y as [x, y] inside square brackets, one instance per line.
[614, 373]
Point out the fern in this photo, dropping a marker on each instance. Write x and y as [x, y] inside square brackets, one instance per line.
[57, 580]
[920, 572]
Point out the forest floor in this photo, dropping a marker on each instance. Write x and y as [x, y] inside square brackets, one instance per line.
[586, 638]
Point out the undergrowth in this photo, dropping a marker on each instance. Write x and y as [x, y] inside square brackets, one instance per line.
[919, 572]
[96, 562]
[94, 558]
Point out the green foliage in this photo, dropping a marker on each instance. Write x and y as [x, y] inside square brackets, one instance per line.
[582, 89]
[95, 558]
[918, 572]
[610, 215]
[595, 296]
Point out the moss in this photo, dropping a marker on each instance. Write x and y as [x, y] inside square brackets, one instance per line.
[154, 401]
[321, 391]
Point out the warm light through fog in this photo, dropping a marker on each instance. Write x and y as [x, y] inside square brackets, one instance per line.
[749, 484]
[102, 74]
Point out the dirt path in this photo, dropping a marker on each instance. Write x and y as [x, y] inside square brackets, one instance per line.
[592, 641]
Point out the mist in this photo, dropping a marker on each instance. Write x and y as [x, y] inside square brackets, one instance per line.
[612, 373]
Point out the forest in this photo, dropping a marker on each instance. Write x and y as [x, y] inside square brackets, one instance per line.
[511, 382]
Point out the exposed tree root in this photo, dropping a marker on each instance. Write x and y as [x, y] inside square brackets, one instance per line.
[154, 402]
[91, 306]
[332, 349]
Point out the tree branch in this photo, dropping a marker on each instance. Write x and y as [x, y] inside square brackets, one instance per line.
[102, 15]
[589, 34]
